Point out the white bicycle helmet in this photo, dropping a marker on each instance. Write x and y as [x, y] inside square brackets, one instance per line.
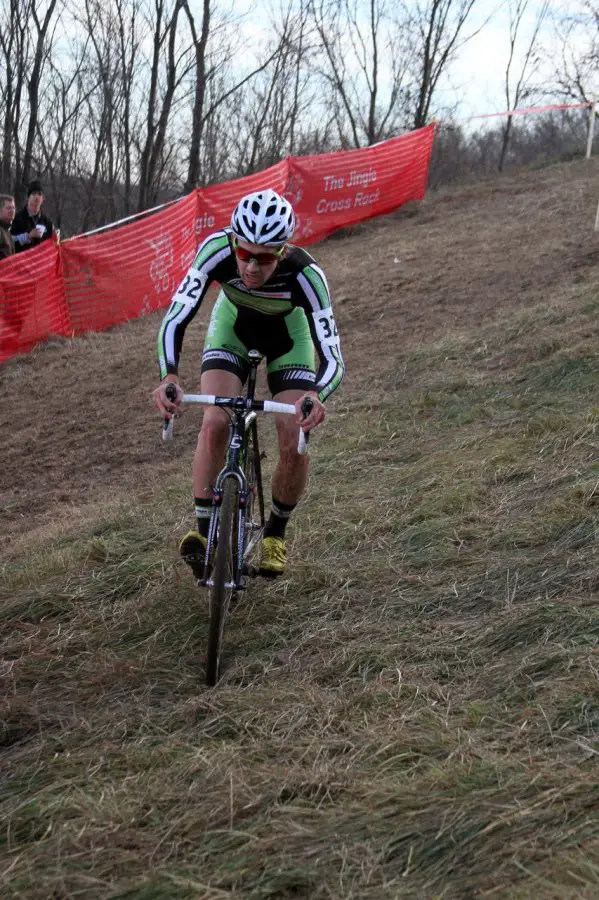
[263, 218]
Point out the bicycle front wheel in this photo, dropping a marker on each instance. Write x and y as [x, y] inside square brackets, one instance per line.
[223, 575]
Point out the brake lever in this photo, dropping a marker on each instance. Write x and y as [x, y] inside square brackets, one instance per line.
[306, 408]
[167, 427]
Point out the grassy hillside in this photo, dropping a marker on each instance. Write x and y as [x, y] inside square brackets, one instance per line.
[413, 711]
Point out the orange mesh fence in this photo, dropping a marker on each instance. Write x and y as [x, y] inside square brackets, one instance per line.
[32, 299]
[331, 191]
[97, 280]
[216, 203]
[120, 274]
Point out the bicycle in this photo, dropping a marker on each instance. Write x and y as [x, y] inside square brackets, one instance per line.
[237, 519]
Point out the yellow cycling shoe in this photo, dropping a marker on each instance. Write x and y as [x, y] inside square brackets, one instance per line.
[192, 548]
[273, 557]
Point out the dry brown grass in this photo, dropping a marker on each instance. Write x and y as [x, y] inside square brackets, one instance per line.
[413, 711]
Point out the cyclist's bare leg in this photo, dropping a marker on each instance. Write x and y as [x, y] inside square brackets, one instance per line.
[291, 474]
[212, 439]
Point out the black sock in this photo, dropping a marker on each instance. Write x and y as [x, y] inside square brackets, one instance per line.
[279, 516]
[203, 513]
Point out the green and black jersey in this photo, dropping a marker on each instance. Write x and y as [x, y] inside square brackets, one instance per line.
[296, 282]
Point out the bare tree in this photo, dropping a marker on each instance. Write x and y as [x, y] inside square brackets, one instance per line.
[42, 41]
[200, 43]
[277, 97]
[576, 72]
[439, 26]
[102, 34]
[136, 99]
[15, 48]
[63, 125]
[128, 47]
[365, 55]
[215, 162]
[169, 64]
[522, 88]
[210, 68]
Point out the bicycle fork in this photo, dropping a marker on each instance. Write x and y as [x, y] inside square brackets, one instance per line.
[232, 469]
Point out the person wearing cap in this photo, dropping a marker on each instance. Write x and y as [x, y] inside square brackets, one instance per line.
[7, 213]
[31, 226]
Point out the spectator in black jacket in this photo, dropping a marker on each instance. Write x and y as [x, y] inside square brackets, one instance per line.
[30, 226]
[7, 214]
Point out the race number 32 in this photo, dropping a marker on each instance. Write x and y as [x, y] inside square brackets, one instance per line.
[191, 287]
[325, 327]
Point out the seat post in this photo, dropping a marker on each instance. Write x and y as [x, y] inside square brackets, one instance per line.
[255, 360]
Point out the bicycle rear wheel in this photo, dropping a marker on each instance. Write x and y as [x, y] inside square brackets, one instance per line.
[223, 575]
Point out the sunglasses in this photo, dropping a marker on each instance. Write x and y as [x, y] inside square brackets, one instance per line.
[263, 259]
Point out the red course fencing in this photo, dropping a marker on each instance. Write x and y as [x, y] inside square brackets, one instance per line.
[94, 281]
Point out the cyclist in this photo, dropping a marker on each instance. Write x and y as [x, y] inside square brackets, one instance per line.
[274, 298]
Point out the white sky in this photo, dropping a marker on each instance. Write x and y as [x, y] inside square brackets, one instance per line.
[476, 80]
[477, 77]
[474, 83]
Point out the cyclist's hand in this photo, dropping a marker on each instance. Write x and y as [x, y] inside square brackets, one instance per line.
[316, 415]
[162, 403]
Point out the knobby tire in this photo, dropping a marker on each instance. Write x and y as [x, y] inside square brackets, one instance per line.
[222, 573]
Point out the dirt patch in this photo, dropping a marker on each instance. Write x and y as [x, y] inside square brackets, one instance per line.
[77, 419]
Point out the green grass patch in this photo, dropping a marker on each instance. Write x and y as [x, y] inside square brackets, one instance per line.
[409, 712]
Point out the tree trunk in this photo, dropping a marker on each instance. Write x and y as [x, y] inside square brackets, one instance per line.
[197, 123]
[33, 86]
[507, 131]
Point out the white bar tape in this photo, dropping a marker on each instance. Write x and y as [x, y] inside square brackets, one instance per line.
[274, 407]
[207, 399]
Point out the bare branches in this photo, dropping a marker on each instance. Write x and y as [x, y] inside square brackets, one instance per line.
[41, 53]
[576, 74]
[440, 26]
[523, 87]
[365, 47]
[15, 47]
[200, 43]
[126, 101]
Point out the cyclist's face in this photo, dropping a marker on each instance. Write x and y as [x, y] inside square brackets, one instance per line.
[253, 273]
